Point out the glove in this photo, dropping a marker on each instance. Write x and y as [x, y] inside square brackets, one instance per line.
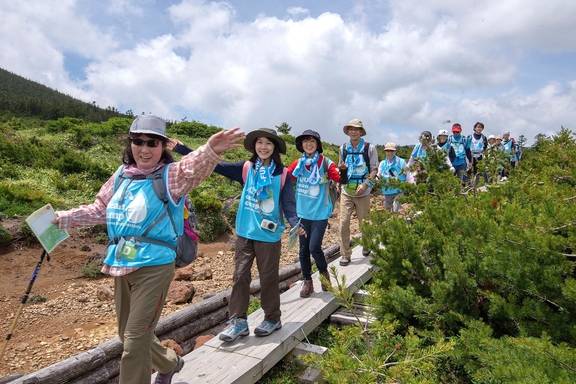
[452, 169]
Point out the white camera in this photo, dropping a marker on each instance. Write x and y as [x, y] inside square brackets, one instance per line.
[268, 225]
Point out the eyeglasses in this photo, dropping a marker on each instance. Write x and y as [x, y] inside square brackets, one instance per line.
[152, 143]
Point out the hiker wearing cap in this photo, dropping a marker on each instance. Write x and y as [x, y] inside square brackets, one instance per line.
[442, 140]
[360, 160]
[313, 172]
[267, 197]
[392, 168]
[141, 251]
[510, 147]
[462, 158]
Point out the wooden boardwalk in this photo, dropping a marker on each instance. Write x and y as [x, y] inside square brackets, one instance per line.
[250, 357]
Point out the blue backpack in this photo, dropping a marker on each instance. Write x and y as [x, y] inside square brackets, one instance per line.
[187, 243]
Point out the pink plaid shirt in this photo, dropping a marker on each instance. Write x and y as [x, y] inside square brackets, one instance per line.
[182, 177]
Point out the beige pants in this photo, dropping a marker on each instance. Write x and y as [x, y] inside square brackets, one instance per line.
[347, 205]
[139, 297]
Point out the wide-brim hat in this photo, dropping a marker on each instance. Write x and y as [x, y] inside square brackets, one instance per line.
[148, 124]
[356, 123]
[251, 137]
[308, 133]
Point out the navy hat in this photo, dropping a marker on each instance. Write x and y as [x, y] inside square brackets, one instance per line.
[305, 134]
[250, 140]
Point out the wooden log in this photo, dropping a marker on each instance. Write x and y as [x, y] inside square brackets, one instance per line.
[74, 368]
[102, 375]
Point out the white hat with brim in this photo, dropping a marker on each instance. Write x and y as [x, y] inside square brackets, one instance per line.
[390, 147]
[355, 123]
[150, 125]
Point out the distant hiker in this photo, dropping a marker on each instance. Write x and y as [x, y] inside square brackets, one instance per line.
[360, 159]
[478, 143]
[462, 156]
[267, 196]
[442, 140]
[510, 147]
[420, 153]
[313, 172]
[392, 168]
[141, 251]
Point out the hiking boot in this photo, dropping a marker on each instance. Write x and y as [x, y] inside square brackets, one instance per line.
[267, 327]
[365, 252]
[238, 327]
[307, 288]
[325, 285]
[166, 378]
[344, 260]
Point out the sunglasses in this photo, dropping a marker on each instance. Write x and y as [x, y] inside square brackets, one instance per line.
[152, 143]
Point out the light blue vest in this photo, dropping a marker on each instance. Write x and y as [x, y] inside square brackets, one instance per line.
[313, 201]
[252, 212]
[419, 152]
[133, 207]
[459, 146]
[397, 168]
[476, 146]
[507, 146]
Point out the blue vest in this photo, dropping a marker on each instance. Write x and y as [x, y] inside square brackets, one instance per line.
[313, 201]
[507, 147]
[396, 167]
[252, 212]
[132, 209]
[476, 145]
[459, 150]
[419, 152]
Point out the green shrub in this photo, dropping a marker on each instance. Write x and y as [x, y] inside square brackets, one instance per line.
[193, 129]
[37, 299]
[92, 269]
[5, 237]
[26, 234]
[209, 212]
[63, 124]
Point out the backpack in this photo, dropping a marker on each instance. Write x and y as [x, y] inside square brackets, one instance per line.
[332, 187]
[364, 153]
[248, 164]
[187, 243]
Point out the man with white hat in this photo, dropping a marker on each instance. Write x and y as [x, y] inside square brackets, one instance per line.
[360, 160]
[392, 168]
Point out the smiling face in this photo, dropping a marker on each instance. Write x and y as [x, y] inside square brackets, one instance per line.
[146, 150]
[264, 148]
[478, 128]
[355, 133]
[442, 139]
[309, 145]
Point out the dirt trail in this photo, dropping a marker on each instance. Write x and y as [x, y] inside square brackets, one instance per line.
[74, 318]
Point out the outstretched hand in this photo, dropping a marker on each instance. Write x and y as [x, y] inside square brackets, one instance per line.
[225, 140]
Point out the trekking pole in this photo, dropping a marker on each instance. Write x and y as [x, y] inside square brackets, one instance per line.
[23, 302]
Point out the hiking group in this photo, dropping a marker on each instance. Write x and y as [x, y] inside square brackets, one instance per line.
[143, 205]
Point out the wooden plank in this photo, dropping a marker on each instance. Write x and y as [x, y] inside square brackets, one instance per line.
[247, 359]
[305, 348]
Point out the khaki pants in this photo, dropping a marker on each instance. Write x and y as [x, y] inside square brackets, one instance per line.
[139, 297]
[347, 205]
[268, 261]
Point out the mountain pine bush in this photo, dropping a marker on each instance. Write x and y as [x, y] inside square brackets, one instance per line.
[491, 273]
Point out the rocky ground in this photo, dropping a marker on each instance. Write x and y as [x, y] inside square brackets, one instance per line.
[69, 313]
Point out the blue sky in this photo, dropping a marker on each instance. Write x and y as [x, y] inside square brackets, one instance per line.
[402, 66]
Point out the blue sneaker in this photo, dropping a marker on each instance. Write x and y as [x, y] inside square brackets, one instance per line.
[238, 327]
[267, 327]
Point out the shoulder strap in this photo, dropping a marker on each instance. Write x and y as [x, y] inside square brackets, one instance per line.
[118, 178]
[344, 153]
[283, 177]
[245, 168]
[366, 155]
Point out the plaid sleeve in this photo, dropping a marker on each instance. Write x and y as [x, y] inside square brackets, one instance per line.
[90, 214]
[191, 170]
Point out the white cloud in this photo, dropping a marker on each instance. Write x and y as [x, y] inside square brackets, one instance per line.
[431, 62]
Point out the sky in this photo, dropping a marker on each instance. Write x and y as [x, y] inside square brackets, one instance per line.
[401, 66]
